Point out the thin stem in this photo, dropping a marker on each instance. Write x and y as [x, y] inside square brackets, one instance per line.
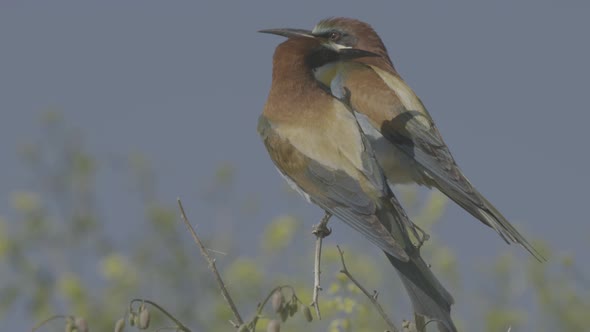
[49, 320]
[320, 231]
[212, 267]
[252, 324]
[372, 297]
[276, 289]
[420, 323]
[165, 312]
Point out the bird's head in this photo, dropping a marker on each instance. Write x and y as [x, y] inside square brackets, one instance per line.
[343, 32]
[346, 36]
[317, 48]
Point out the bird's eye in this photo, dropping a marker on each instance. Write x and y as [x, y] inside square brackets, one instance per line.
[335, 36]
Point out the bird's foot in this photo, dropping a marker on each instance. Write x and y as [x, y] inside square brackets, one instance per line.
[322, 230]
[419, 234]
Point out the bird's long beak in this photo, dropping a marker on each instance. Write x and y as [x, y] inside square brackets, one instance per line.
[289, 33]
[344, 53]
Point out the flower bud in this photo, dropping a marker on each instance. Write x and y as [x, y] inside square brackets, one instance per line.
[273, 326]
[307, 314]
[277, 301]
[69, 326]
[144, 318]
[284, 314]
[293, 307]
[120, 325]
[131, 318]
[81, 324]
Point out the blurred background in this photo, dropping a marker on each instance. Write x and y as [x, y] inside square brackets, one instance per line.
[110, 111]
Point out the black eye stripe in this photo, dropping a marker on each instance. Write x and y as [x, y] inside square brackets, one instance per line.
[329, 34]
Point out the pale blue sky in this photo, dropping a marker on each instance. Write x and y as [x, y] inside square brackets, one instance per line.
[184, 82]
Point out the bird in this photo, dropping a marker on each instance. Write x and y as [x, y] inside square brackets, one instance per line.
[315, 142]
[407, 142]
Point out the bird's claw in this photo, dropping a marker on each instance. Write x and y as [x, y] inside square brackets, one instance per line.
[420, 235]
[322, 230]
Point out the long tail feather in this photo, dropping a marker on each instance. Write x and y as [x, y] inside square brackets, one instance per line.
[429, 297]
[490, 216]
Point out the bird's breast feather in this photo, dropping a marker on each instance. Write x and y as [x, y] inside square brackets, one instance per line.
[332, 139]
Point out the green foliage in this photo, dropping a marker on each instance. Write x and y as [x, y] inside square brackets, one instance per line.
[279, 234]
[246, 274]
[60, 254]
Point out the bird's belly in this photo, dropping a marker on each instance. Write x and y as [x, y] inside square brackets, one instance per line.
[398, 167]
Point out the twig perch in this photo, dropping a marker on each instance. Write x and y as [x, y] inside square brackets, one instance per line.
[320, 230]
[372, 297]
[213, 268]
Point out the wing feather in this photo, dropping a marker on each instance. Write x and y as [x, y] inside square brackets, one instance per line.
[338, 192]
[399, 116]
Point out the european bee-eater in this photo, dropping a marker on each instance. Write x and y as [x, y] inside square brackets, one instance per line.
[317, 145]
[406, 141]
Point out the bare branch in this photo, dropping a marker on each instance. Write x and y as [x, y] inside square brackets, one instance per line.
[212, 267]
[372, 297]
[320, 230]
